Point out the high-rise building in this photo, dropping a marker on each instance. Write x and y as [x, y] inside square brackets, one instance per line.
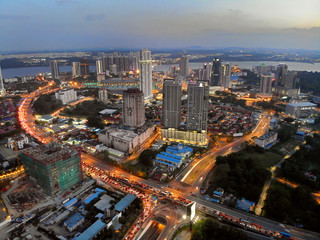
[99, 67]
[66, 96]
[133, 108]
[145, 65]
[225, 75]
[54, 69]
[197, 106]
[171, 107]
[184, 66]
[76, 69]
[2, 89]
[103, 95]
[286, 81]
[216, 72]
[205, 72]
[84, 67]
[53, 167]
[281, 72]
[265, 85]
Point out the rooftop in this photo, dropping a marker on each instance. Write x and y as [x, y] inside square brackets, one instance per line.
[50, 153]
[125, 202]
[74, 219]
[267, 135]
[91, 231]
[302, 104]
[107, 111]
[168, 158]
[169, 164]
[104, 203]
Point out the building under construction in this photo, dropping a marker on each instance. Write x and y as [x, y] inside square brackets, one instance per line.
[53, 167]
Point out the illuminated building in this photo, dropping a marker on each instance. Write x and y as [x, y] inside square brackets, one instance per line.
[184, 66]
[76, 69]
[171, 107]
[2, 89]
[197, 106]
[54, 69]
[145, 65]
[300, 110]
[133, 108]
[265, 85]
[187, 137]
[99, 67]
[55, 168]
[84, 67]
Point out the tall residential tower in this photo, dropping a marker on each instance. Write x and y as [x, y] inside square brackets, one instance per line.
[145, 65]
[2, 89]
[133, 108]
[54, 69]
[184, 66]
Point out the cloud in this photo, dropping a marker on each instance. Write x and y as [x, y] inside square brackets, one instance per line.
[95, 17]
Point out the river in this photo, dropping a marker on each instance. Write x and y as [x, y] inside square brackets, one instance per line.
[30, 71]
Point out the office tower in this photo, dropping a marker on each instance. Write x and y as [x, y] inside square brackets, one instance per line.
[84, 67]
[265, 85]
[291, 80]
[2, 89]
[133, 108]
[225, 75]
[281, 72]
[184, 66]
[76, 69]
[197, 106]
[54, 69]
[53, 167]
[145, 65]
[103, 95]
[99, 67]
[205, 72]
[171, 107]
[216, 72]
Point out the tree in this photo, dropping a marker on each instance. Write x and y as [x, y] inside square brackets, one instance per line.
[94, 121]
[146, 157]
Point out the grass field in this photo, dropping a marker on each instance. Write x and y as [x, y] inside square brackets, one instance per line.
[265, 160]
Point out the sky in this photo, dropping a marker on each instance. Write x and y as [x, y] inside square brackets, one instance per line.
[31, 25]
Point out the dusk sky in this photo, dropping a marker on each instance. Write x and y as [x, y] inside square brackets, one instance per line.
[77, 24]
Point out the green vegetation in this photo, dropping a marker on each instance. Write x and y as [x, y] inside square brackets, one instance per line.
[238, 172]
[306, 159]
[226, 97]
[87, 108]
[146, 157]
[309, 82]
[95, 122]
[46, 104]
[286, 132]
[292, 206]
[208, 229]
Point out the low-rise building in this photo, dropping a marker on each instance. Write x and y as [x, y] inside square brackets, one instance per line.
[188, 137]
[19, 141]
[180, 150]
[267, 140]
[91, 231]
[168, 161]
[125, 202]
[300, 110]
[74, 221]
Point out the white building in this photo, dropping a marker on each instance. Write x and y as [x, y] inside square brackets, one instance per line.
[19, 140]
[99, 66]
[2, 89]
[103, 95]
[300, 110]
[66, 96]
[76, 69]
[145, 65]
[267, 140]
[225, 75]
[124, 140]
[188, 137]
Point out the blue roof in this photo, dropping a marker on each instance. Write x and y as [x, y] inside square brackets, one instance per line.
[169, 164]
[70, 202]
[99, 190]
[179, 149]
[244, 204]
[91, 231]
[74, 219]
[171, 155]
[124, 202]
[90, 198]
[214, 200]
[167, 158]
[218, 193]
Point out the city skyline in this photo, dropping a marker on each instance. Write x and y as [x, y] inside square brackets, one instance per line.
[144, 24]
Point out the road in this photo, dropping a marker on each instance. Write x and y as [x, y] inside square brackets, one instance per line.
[195, 177]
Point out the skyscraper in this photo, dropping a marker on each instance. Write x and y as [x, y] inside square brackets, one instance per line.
[184, 66]
[54, 69]
[197, 106]
[84, 67]
[216, 70]
[286, 81]
[265, 85]
[76, 69]
[225, 75]
[133, 108]
[99, 67]
[205, 72]
[103, 95]
[2, 89]
[171, 107]
[145, 65]
[281, 72]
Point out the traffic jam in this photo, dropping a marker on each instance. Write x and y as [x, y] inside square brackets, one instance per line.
[130, 186]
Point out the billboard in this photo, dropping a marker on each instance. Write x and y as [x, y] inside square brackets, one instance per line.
[191, 210]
